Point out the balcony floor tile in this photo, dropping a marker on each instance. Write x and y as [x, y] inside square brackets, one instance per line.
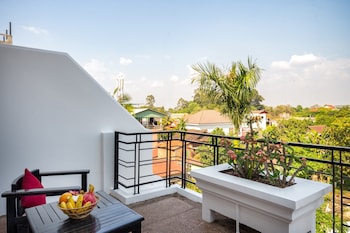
[177, 214]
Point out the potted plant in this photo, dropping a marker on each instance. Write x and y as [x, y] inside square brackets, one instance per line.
[266, 160]
[259, 187]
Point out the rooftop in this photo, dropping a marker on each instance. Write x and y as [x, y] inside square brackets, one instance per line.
[207, 117]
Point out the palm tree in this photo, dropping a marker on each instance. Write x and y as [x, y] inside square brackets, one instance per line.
[235, 88]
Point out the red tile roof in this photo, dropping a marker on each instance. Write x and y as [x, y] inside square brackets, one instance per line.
[318, 128]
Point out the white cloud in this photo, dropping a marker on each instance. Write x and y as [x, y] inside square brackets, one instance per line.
[280, 65]
[96, 68]
[186, 82]
[303, 59]
[174, 78]
[191, 71]
[36, 30]
[306, 80]
[166, 91]
[296, 60]
[125, 61]
[142, 56]
[157, 84]
[180, 82]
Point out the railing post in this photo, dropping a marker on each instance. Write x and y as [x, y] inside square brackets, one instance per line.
[139, 162]
[333, 187]
[136, 189]
[184, 158]
[341, 193]
[116, 159]
[168, 159]
[214, 142]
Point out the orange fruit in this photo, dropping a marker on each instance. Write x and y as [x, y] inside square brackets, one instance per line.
[65, 196]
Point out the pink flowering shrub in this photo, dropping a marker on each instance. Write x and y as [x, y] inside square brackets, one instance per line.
[264, 160]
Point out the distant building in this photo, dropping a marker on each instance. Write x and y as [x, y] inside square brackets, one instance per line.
[260, 125]
[330, 107]
[284, 115]
[316, 108]
[177, 116]
[7, 36]
[149, 118]
[208, 120]
[317, 128]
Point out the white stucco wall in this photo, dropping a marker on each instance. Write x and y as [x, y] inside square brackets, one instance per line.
[226, 127]
[52, 115]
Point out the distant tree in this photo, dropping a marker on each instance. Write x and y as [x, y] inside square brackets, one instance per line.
[233, 88]
[291, 130]
[184, 106]
[257, 99]
[204, 101]
[339, 132]
[269, 111]
[283, 109]
[193, 107]
[218, 131]
[299, 108]
[181, 124]
[160, 109]
[166, 122]
[344, 112]
[181, 104]
[299, 111]
[206, 153]
[150, 100]
[327, 117]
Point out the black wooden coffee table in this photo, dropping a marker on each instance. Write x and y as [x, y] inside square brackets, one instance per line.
[110, 215]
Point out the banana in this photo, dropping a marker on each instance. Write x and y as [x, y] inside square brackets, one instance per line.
[70, 206]
[79, 202]
[87, 204]
[63, 205]
[71, 203]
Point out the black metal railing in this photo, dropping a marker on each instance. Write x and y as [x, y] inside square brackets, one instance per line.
[167, 157]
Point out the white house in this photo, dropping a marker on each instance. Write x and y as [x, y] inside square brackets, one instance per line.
[260, 125]
[209, 120]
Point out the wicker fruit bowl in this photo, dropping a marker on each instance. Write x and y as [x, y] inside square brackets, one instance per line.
[80, 212]
[78, 204]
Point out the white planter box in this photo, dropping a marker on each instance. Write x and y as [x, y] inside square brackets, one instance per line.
[265, 208]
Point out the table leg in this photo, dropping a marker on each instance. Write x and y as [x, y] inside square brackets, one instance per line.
[136, 228]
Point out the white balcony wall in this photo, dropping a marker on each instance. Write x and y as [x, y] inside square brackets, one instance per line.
[55, 116]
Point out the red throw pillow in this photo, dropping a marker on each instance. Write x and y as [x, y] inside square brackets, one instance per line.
[31, 182]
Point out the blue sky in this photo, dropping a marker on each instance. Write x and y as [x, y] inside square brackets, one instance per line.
[302, 45]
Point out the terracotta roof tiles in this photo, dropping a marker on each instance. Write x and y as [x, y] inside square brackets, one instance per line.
[207, 117]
